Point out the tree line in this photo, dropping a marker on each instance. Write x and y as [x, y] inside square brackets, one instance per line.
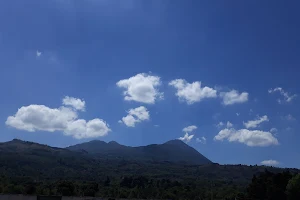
[264, 186]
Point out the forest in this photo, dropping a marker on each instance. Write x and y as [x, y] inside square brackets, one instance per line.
[33, 169]
[264, 186]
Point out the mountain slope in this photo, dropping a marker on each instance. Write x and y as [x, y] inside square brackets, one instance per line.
[47, 169]
[42, 162]
[171, 151]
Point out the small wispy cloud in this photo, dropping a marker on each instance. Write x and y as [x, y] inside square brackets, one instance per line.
[38, 53]
[289, 117]
[286, 96]
[273, 130]
[255, 123]
[189, 129]
[201, 140]
[186, 137]
[221, 124]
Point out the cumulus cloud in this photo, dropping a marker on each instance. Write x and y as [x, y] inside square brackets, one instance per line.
[189, 129]
[270, 162]
[42, 118]
[186, 137]
[234, 97]
[78, 104]
[141, 88]
[255, 123]
[136, 115]
[248, 137]
[39, 117]
[286, 96]
[87, 129]
[201, 140]
[192, 92]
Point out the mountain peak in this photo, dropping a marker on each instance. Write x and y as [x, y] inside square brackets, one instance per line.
[175, 142]
[113, 143]
[172, 151]
[16, 140]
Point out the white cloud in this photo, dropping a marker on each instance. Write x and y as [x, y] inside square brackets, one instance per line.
[233, 97]
[255, 123]
[201, 140]
[273, 130]
[136, 115]
[289, 117]
[39, 117]
[186, 137]
[42, 118]
[141, 88]
[270, 162]
[221, 124]
[189, 129]
[78, 104]
[192, 92]
[237, 114]
[80, 128]
[286, 96]
[229, 125]
[156, 125]
[248, 137]
[38, 53]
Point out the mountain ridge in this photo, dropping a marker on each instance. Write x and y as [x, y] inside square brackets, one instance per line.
[172, 151]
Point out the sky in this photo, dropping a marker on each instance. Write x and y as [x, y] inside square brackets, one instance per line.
[222, 76]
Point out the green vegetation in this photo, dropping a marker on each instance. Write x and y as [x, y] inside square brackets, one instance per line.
[29, 168]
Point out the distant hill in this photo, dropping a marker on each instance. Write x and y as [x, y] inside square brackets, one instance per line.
[95, 161]
[171, 151]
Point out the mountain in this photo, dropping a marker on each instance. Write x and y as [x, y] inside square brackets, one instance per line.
[24, 165]
[171, 151]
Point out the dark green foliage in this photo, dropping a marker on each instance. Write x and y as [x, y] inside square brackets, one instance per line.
[270, 186]
[30, 168]
[293, 188]
[65, 188]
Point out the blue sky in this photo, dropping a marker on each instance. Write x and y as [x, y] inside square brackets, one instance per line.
[139, 72]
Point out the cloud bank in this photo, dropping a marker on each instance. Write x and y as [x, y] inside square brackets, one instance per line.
[248, 137]
[65, 119]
